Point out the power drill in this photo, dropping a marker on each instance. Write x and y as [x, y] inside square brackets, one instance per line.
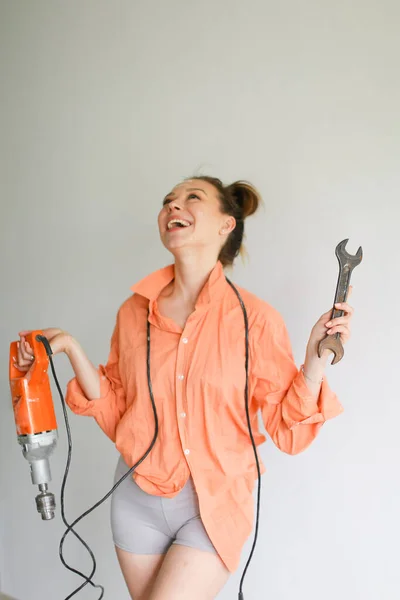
[35, 418]
[36, 424]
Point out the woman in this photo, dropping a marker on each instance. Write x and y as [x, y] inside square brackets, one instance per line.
[180, 522]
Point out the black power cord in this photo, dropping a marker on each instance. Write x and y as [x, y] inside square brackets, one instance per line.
[246, 400]
[72, 525]
[88, 579]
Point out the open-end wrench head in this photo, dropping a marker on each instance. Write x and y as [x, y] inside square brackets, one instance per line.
[344, 257]
[336, 359]
[334, 344]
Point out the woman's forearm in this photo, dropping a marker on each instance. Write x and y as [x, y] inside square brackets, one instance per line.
[85, 372]
[314, 368]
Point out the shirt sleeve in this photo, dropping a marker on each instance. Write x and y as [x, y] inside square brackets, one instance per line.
[291, 414]
[109, 407]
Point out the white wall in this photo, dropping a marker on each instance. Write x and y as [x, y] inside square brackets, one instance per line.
[104, 107]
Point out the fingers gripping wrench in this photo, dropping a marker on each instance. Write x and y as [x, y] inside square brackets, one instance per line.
[347, 262]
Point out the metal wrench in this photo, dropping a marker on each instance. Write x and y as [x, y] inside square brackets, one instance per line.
[347, 262]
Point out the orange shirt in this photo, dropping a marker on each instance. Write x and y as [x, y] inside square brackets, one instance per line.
[198, 380]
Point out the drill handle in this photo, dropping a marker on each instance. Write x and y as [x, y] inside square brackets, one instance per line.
[41, 362]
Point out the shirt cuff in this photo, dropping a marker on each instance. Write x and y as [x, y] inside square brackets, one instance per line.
[78, 401]
[301, 408]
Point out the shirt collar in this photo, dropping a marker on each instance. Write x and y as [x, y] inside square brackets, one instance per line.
[151, 286]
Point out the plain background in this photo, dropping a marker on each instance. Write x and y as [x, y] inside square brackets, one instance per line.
[104, 107]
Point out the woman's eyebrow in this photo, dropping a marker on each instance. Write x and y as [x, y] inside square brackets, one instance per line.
[199, 189]
[189, 190]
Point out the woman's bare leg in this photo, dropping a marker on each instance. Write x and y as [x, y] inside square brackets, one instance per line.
[139, 571]
[188, 573]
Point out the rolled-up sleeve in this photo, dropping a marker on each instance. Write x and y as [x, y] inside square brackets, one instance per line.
[291, 414]
[109, 407]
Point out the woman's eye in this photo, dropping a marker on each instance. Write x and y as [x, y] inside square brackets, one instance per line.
[190, 196]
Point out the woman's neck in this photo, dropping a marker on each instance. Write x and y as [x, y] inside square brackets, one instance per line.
[190, 277]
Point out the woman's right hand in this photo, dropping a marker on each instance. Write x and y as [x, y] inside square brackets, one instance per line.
[59, 341]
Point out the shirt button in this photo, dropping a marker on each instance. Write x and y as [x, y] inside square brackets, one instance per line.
[185, 340]
[181, 377]
[187, 451]
[183, 414]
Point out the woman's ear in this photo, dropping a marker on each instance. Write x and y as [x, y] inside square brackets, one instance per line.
[228, 225]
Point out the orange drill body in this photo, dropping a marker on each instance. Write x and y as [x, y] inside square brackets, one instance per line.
[31, 392]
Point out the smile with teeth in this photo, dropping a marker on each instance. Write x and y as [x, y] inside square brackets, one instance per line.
[177, 223]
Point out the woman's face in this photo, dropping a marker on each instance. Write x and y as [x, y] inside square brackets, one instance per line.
[191, 217]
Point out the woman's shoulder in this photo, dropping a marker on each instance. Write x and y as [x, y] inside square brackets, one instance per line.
[258, 309]
[132, 306]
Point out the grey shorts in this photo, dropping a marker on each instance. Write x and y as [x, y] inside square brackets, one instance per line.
[143, 523]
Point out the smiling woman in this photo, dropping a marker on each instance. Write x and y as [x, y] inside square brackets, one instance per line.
[181, 344]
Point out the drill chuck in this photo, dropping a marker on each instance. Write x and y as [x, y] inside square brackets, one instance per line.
[45, 503]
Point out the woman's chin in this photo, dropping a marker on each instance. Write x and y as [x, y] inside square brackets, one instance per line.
[175, 246]
[174, 241]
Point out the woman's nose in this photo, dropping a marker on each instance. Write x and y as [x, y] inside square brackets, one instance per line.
[174, 205]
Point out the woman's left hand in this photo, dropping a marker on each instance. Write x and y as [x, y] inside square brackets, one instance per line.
[325, 325]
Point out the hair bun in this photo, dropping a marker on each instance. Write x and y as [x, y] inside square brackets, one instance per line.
[247, 197]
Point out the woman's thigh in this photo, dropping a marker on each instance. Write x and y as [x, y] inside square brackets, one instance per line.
[139, 571]
[188, 572]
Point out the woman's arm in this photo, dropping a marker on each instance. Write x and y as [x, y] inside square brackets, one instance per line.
[313, 371]
[314, 366]
[86, 373]
[293, 408]
[97, 393]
